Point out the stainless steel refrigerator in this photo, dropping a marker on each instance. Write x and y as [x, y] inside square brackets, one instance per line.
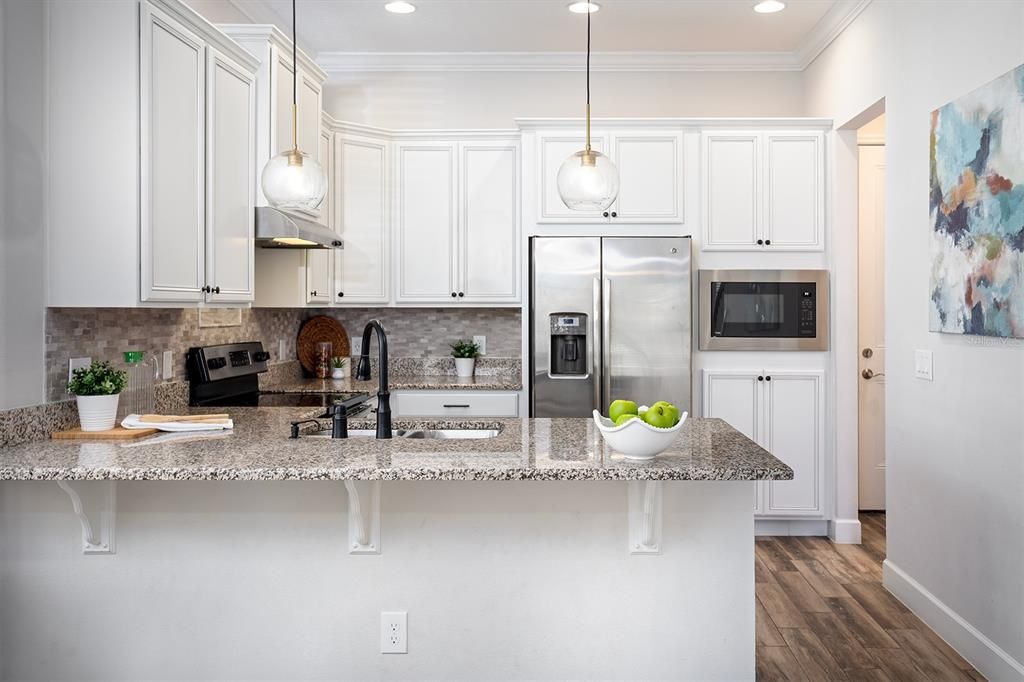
[609, 318]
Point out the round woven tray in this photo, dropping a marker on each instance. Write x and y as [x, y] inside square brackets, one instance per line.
[316, 330]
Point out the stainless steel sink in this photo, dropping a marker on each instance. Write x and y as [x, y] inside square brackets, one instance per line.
[440, 434]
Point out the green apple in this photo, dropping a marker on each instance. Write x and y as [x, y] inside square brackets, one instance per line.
[623, 418]
[671, 409]
[659, 416]
[621, 407]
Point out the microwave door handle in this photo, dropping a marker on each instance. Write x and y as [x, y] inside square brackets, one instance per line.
[718, 312]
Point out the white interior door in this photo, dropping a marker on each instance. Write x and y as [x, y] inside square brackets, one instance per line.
[871, 327]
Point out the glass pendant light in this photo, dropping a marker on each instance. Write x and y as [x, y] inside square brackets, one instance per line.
[293, 179]
[588, 180]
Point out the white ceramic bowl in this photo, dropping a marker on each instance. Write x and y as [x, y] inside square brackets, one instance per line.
[636, 439]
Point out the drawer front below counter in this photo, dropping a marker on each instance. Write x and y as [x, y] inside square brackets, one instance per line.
[455, 404]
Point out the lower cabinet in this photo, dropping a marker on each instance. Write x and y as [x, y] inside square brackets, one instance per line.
[455, 404]
[783, 412]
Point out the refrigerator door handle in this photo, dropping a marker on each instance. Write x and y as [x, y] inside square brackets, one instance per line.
[595, 347]
[606, 340]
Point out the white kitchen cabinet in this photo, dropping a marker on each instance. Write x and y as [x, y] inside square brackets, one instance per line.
[488, 240]
[457, 222]
[361, 209]
[319, 279]
[763, 190]
[455, 404]
[230, 189]
[650, 164]
[782, 411]
[426, 222]
[173, 81]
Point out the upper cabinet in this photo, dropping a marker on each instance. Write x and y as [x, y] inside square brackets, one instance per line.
[362, 217]
[166, 209]
[650, 163]
[763, 190]
[457, 222]
[319, 262]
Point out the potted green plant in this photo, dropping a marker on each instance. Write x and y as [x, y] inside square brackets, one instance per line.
[96, 389]
[338, 367]
[465, 353]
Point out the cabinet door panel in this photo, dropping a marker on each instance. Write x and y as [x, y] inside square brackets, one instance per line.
[795, 434]
[362, 266]
[650, 178]
[230, 182]
[552, 151]
[173, 139]
[426, 223]
[489, 223]
[731, 189]
[735, 396]
[319, 284]
[794, 190]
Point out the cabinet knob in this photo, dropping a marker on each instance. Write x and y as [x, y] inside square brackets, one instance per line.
[216, 290]
[605, 214]
[767, 242]
[454, 294]
[341, 294]
[614, 214]
[768, 378]
[461, 294]
[760, 378]
[312, 293]
[760, 242]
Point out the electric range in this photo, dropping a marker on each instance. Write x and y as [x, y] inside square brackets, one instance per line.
[227, 375]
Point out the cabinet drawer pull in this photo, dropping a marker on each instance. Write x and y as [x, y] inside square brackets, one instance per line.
[453, 405]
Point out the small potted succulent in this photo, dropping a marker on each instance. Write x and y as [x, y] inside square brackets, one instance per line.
[465, 353]
[97, 389]
[338, 367]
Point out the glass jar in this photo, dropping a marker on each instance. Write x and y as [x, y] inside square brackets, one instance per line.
[324, 352]
[138, 394]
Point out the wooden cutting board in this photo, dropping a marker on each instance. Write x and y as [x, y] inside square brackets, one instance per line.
[116, 433]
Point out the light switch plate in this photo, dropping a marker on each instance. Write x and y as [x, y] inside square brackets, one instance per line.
[923, 364]
[481, 341]
[77, 363]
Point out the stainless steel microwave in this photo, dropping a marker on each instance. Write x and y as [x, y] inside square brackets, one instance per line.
[763, 310]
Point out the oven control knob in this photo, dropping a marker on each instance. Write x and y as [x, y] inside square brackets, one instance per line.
[261, 356]
[216, 363]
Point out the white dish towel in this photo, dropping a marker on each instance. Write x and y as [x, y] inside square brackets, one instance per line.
[132, 421]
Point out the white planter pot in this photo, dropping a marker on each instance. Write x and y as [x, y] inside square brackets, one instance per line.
[464, 366]
[97, 412]
[338, 373]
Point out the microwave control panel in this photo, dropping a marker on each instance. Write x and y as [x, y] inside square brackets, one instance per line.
[808, 322]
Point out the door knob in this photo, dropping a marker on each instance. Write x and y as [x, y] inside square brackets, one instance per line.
[869, 374]
[867, 352]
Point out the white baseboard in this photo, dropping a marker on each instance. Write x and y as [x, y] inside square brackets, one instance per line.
[790, 527]
[844, 531]
[981, 652]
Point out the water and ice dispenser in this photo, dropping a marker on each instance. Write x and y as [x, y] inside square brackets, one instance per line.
[568, 344]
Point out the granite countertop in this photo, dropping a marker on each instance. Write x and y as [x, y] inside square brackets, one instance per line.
[258, 448]
[401, 382]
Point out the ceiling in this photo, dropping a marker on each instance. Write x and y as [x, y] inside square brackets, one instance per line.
[666, 31]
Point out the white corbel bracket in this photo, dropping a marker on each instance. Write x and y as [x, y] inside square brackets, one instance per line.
[644, 502]
[101, 505]
[363, 517]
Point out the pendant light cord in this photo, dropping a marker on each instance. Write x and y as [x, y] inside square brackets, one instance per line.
[295, 82]
[588, 81]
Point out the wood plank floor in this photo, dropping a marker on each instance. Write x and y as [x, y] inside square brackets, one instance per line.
[822, 614]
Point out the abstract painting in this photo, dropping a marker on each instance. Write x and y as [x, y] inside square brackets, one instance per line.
[977, 211]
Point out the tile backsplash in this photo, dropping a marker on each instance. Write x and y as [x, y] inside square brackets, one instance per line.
[104, 333]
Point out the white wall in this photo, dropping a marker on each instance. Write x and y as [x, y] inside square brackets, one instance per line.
[22, 242]
[955, 446]
[494, 100]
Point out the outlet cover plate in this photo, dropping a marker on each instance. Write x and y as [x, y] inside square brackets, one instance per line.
[923, 365]
[168, 363]
[481, 341]
[394, 632]
[77, 363]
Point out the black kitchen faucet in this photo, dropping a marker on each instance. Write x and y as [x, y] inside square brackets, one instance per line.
[363, 374]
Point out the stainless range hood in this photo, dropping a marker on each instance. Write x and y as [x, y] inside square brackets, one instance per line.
[277, 229]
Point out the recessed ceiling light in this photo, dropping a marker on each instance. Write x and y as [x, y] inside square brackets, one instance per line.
[400, 7]
[769, 7]
[584, 7]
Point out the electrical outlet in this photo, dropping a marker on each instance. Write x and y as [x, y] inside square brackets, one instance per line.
[168, 372]
[77, 363]
[282, 349]
[923, 364]
[394, 632]
[481, 341]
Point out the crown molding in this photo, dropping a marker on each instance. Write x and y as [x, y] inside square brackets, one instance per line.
[828, 28]
[376, 62]
[271, 34]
